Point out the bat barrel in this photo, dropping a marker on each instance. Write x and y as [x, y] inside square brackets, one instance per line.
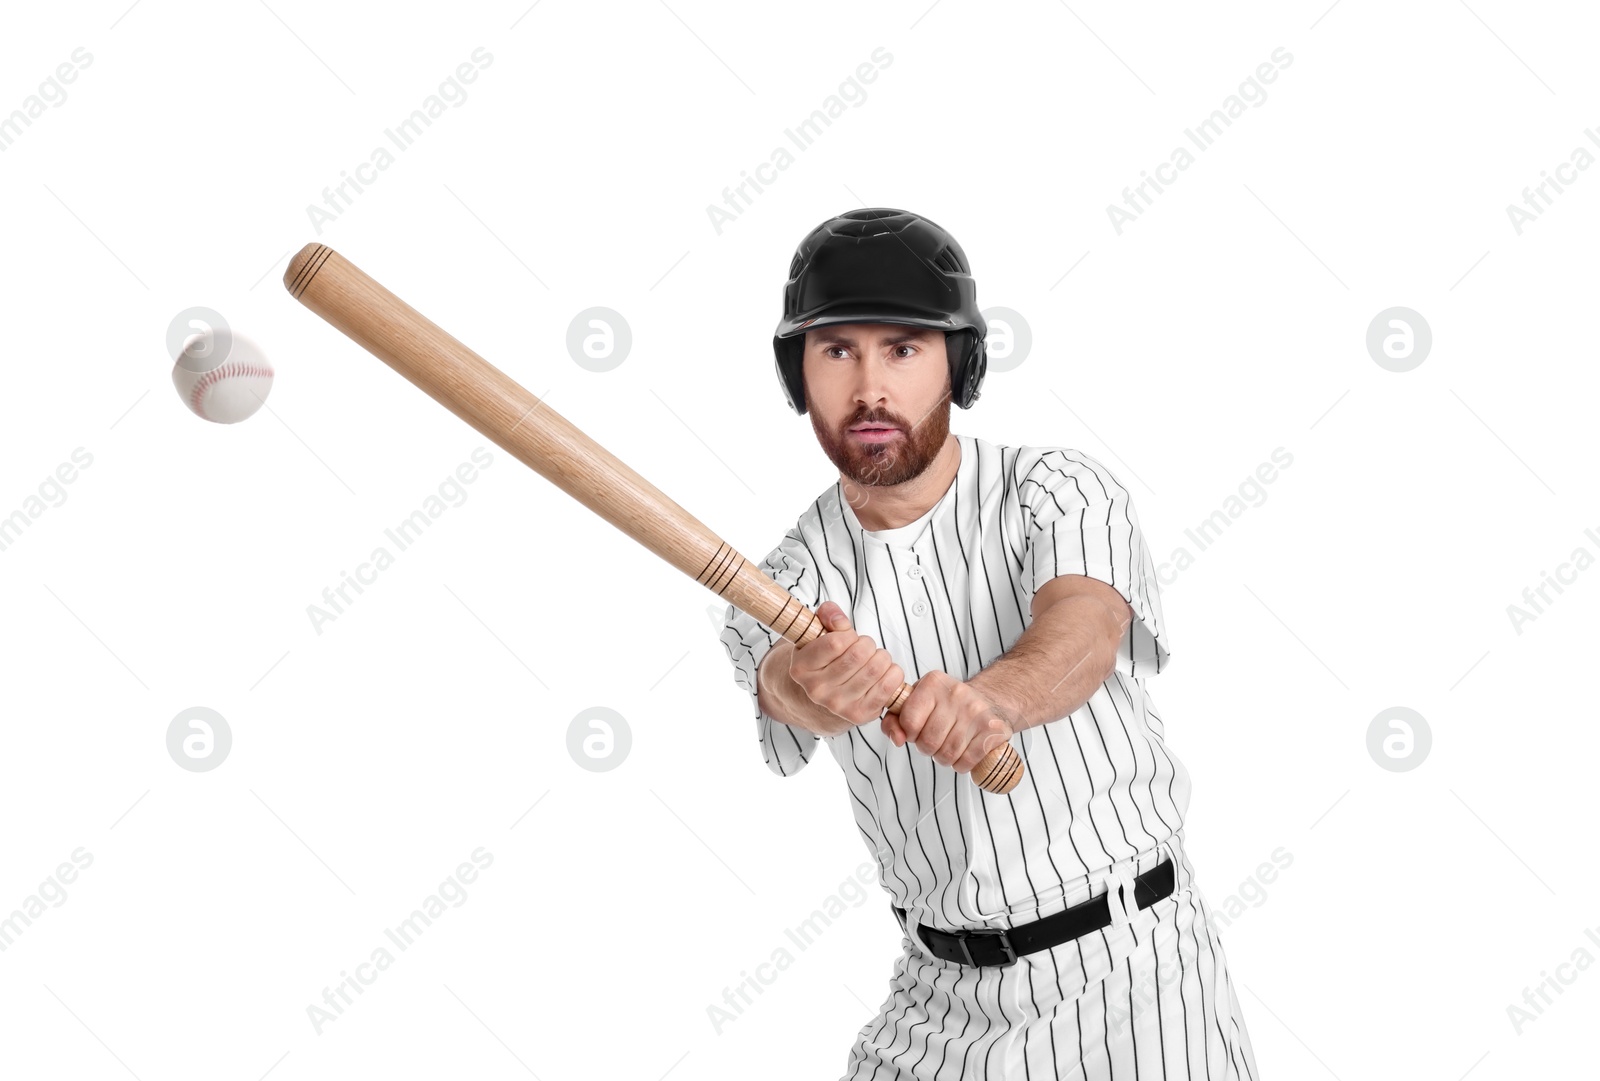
[510, 415]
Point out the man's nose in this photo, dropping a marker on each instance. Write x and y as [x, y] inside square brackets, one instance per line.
[871, 381]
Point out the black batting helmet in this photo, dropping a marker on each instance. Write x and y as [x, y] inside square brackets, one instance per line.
[878, 265]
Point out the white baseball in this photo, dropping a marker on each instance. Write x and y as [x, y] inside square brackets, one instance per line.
[222, 377]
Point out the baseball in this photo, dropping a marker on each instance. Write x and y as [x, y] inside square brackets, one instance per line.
[221, 375]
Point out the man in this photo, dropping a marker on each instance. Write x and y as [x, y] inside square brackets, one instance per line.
[1054, 931]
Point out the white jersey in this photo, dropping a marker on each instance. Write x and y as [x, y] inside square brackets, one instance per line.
[1102, 800]
[952, 591]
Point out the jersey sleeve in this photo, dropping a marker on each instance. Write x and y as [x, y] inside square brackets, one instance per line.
[785, 748]
[1079, 520]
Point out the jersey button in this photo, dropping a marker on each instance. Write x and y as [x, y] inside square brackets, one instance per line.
[919, 609]
[914, 571]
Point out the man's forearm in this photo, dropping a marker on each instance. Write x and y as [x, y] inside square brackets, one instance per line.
[1055, 665]
[782, 699]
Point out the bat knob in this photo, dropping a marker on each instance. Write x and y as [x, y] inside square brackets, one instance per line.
[999, 771]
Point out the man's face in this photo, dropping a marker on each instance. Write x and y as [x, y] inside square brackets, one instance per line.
[894, 377]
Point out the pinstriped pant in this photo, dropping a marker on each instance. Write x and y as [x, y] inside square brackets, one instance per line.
[1150, 1001]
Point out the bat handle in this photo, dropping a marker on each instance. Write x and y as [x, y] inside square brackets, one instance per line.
[1000, 769]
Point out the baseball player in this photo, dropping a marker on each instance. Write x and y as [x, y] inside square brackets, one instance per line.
[1054, 931]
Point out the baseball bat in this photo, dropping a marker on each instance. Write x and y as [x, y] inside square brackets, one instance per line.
[536, 435]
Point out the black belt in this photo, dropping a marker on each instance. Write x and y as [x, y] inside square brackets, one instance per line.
[1003, 945]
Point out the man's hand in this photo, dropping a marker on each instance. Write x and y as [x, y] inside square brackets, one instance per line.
[950, 721]
[844, 672]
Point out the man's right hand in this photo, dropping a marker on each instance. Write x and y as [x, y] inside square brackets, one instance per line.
[844, 672]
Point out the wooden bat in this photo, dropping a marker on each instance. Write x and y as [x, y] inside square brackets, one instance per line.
[533, 433]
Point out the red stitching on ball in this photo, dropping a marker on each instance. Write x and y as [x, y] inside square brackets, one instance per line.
[225, 371]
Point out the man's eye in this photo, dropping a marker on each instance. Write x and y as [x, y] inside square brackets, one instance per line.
[912, 348]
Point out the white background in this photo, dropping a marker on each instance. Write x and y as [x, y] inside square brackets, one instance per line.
[369, 760]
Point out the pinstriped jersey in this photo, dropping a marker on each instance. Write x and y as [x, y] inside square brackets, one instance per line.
[952, 591]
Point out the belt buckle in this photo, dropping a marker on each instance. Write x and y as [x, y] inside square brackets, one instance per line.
[1001, 939]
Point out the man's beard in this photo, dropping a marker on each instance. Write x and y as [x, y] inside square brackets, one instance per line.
[893, 462]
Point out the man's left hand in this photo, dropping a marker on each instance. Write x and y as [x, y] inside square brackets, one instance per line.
[950, 721]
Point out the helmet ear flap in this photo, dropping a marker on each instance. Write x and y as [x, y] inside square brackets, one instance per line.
[968, 356]
[788, 354]
[976, 367]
